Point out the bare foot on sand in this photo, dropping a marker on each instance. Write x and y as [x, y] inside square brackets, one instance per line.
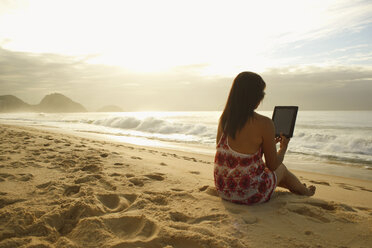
[311, 190]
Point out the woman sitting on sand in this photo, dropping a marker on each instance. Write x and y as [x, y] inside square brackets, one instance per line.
[240, 174]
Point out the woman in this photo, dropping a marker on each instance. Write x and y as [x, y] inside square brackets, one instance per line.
[243, 136]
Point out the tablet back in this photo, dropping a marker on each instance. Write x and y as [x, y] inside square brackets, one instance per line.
[284, 118]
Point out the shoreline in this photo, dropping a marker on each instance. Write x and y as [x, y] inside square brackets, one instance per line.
[63, 190]
[306, 163]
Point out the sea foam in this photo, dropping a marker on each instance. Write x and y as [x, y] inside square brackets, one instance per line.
[156, 125]
[342, 136]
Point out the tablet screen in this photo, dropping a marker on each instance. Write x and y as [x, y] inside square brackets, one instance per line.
[284, 118]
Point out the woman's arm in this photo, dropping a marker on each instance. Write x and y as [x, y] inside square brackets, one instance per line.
[272, 158]
[283, 147]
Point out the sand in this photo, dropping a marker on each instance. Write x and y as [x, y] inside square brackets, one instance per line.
[59, 190]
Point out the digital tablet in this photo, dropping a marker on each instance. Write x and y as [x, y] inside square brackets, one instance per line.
[284, 118]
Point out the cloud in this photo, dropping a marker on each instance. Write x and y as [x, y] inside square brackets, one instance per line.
[312, 87]
[321, 19]
[31, 76]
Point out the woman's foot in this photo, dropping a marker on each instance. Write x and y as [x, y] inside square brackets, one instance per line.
[310, 190]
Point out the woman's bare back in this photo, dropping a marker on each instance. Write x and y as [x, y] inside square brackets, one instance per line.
[249, 139]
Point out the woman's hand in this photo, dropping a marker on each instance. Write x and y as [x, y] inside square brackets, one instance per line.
[283, 142]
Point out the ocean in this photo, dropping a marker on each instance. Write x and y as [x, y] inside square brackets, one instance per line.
[339, 137]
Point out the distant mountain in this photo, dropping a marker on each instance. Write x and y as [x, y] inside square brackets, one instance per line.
[53, 103]
[110, 108]
[57, 103]
[9, 103]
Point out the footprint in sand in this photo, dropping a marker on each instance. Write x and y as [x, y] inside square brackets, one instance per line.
[4, 158]
[249, 219]
[88, 179]
[321, 204]
[320, 182]
[25, 177]
[45, 185]
[136, 181]
[189, 158]
[177, 190]
[7, 201]
[71, 190]
[104, 155]
[6, 176]
[107, 184]
[132, 227]
[180, 241]
[203, 188]
[195, 172]
[115, 175]
[362, 188]
[67, 163]
[346, 186]
[157, 198]
[120, 165]
[17, 164]
[78, 150]
[209, 190]
[92, 168]
[48, 137]
[50, 188]
[175, 155]
[317, 210]
[141, 181]
[18, 177]
[180, 217]
[113, 203]
[65, 219]
[128, 231]
[156, 176]
[368, 210]
[346, 207]
[33, 164]
[130, 175]
[315, 215]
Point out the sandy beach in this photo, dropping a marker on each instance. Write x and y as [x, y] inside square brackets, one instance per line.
[60, 190]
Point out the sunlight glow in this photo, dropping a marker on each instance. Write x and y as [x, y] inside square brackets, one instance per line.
[148, 36]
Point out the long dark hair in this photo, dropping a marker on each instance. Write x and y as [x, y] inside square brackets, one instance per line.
[246, 92]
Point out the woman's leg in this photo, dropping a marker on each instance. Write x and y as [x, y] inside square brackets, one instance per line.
[288, 180]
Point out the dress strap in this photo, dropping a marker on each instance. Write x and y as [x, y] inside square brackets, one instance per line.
[222, 140]
[260, 153]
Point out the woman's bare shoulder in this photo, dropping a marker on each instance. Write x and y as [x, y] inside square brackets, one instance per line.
[265, 125]
[263, 119]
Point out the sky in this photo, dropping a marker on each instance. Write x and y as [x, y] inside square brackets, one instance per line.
[180, 55]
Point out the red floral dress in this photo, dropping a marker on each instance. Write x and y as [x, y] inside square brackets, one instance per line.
[242, 178]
